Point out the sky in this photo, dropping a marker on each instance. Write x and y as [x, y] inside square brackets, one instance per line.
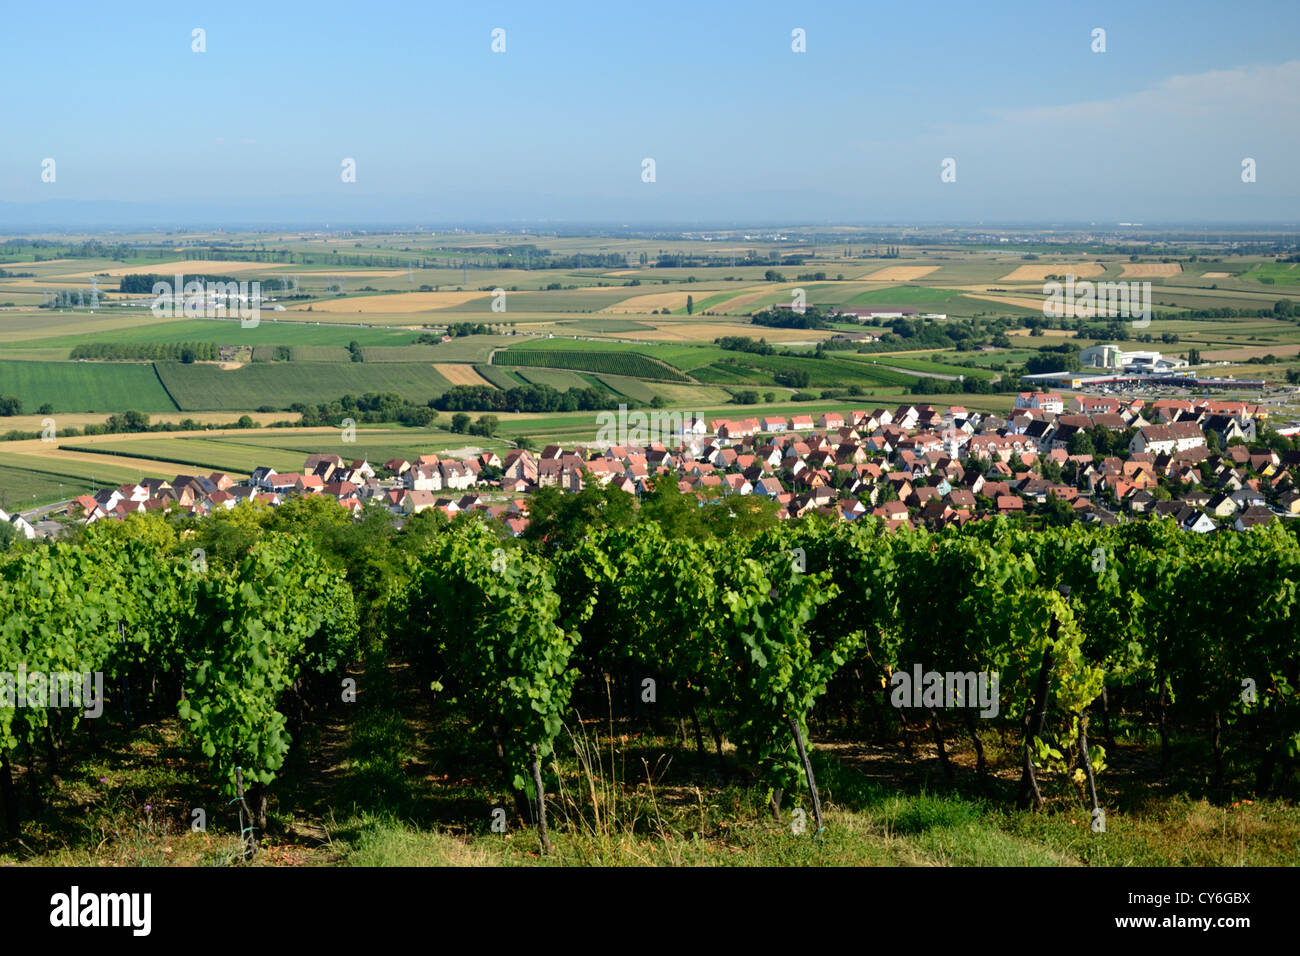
[741, 128]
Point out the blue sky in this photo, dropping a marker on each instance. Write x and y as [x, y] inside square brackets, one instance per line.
[740, 127]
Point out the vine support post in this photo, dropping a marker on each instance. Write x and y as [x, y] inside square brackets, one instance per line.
[1034, 722]
[541, 801]
[246, 834]
[1085, 759]
[808, 772]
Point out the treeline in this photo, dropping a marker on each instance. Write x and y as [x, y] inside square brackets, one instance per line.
[142, 283]
[969, 385]
[133, 421]
[743, 343]
[148, 351]
[455, 330]
[788, 318]
[370, 408]
[523, 398]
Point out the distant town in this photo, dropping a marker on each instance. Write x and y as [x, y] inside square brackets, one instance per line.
[1093, 458]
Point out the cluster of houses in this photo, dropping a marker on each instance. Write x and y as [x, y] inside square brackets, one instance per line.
[911, 466]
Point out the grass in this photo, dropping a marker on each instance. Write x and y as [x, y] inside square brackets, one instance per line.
[207, 387]
[86, 386]
[909, 295]
[634, 364]
[744, 368]
[498, 376]
[632, 388]
[284, 449]
[915, 364]
[225, 332]
[559, 380]
[320, 353]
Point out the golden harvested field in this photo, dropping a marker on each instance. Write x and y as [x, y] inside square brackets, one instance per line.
[899, 273]
[1069, 310]
[740, 301]
[358, 274]
[1047, 333]
[1150, 270]
[1038, 272]
[197, 266]
[44, 454]
[1254, 351]
[1216, 275]
[401, 302]
[460, 374]
[642, 304]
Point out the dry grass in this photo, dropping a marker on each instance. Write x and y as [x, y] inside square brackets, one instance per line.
[1150, 270]
[459, 374]
[400, 303]
[899, 273]
[642, 304]
[1254, 351]
[184, 266]
[1038, 272]
[1216, 275]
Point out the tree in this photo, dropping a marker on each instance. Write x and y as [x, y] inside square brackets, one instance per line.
[690, 305]
[1081, 444]
[10, 405]
[460, 422]
[46, 409]
[188, 356]
[1193, 356]
[1057, 511]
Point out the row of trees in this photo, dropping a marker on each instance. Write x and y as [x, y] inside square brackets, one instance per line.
[148, 351]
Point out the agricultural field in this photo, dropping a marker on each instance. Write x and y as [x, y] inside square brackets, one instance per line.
[281, 384]
[580, 325]
[619, 363]
[86, 386]
[560, 380]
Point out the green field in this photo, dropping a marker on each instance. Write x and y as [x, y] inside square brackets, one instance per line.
[86, 386]
[632, 388]
[26, 483]
[279, 385]
[915, 364]
[555, 378]
[319, 353]
[285, 449]
[743, 368]
[499, 376]
[402, 353]
[624, 363]
[908, 295]
[217, 331]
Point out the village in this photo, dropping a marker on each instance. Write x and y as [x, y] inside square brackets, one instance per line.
[1105, 459]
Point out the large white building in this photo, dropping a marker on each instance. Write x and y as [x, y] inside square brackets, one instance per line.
[1114, 358]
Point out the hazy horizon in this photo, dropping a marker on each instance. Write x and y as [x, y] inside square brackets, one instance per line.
[741, 128]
